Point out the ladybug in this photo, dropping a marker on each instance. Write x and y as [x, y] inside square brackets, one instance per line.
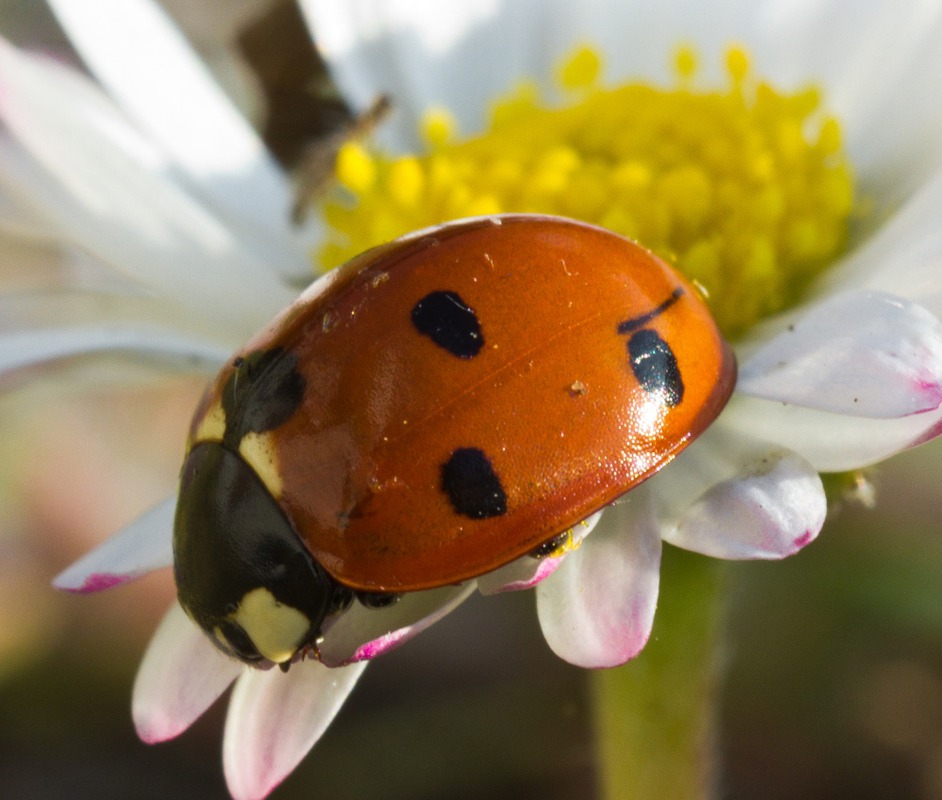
[434, 409]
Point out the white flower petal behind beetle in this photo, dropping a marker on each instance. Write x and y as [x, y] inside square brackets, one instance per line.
[403, 37]
[179, 105]
[736, 497]
[103, 186]
[27, 348]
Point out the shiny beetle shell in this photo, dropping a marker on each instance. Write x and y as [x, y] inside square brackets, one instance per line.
[448, 402]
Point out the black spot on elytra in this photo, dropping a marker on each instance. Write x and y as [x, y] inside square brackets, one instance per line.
[655, 366]
[449, 322]
[264, 390]
[472, 485]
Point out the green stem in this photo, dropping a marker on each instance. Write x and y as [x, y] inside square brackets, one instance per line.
[655, 717]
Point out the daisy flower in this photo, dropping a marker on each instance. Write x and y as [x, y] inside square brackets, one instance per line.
[175, 224]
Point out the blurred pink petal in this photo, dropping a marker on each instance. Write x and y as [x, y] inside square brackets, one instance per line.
[141, 547]
[181, 676]
[275, 718]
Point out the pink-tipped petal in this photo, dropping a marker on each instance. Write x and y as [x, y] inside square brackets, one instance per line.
[275, 718]
[598, 607]
[829, 442]
[527, 572]
[863, 353]
[771, 509]
[734, 496]
[361, 633]
[181, 676]
[143, 546]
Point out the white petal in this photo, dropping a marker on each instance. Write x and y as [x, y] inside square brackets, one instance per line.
[141, 547]
[360, 633]
[878, 89]
[41, 325]
[100, 184]
[875, 81]
[484, 48]
[34, 347]
[19, 222]
[866, 354]
[904, 255]
[181, 676]
[732, 495]
[771, 509]
[377, 48]
[829, 442]
[527, 572]
[178, 103]
[598, 608]
[275, 718]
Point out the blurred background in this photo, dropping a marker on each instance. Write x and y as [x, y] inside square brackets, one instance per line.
[833, 669]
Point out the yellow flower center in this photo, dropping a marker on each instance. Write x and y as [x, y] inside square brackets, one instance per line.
[745, 189]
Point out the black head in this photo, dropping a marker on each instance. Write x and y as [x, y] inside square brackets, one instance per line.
[243, 574]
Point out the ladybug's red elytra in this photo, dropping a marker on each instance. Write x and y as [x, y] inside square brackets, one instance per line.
[432, 410]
